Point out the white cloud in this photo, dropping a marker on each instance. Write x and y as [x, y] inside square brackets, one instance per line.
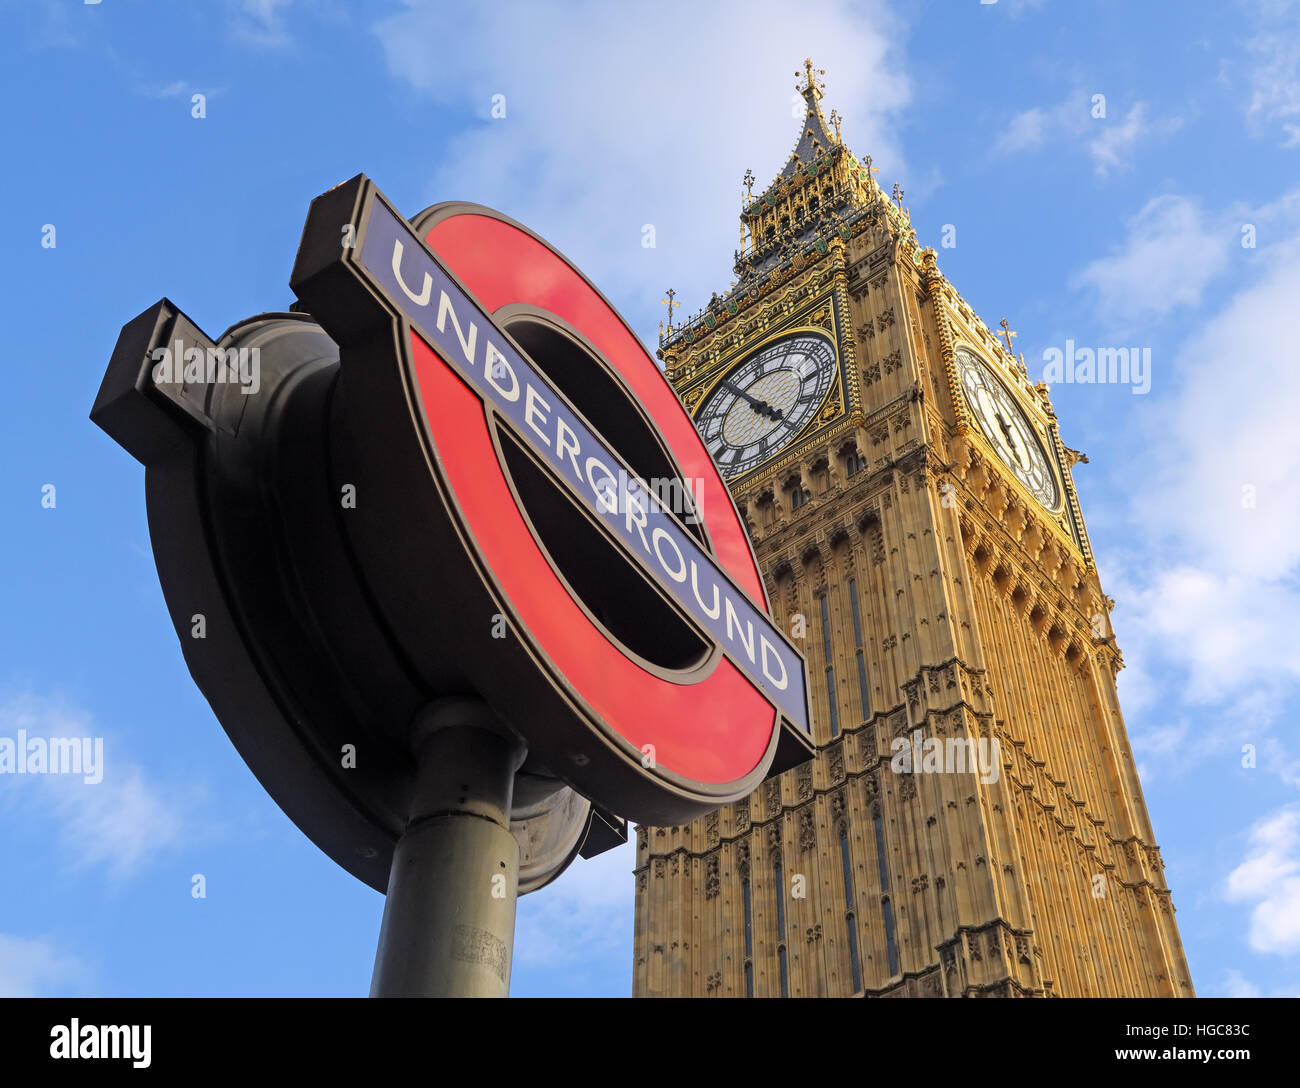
[1274, 69]
[261, 23]
[1108, 142]
[1027, 129]
[1216, 508]
[171, 90]
[51, 25]
[631, 122]
[1237, 985]
[1112, 145]
[1207, 567]
[1162, 749]
[1169, 256]
[35, 968]
[121, 822]
[1232, 458]
[1020, 7]
[1268, 878]
[1223, 629]
[175, 89]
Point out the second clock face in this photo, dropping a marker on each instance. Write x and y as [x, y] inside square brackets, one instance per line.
[763, 403]
[1007, 428]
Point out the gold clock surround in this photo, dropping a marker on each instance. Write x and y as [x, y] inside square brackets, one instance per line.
[828, 403]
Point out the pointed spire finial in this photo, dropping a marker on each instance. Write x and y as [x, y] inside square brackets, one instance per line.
[671, 304]
[1008, 334]
[812, 88]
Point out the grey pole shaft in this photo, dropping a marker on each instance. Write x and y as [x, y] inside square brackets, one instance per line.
[449, 917]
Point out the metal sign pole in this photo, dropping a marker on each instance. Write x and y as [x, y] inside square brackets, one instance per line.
[449, 918]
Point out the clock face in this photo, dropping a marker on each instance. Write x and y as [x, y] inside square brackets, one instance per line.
[762, 404]
[1007, 428]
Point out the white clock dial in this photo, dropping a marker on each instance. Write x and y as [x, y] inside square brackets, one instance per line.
[1006, 427]
[764, 402]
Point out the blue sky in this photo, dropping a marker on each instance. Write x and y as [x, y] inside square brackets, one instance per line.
[1125, 229]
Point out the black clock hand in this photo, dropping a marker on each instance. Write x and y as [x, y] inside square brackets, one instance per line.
[759, 406]
[1010, 436]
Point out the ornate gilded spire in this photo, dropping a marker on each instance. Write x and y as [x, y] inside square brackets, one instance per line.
[809, 210]
[813, 138]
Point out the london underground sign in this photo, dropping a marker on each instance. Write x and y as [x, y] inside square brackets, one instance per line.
[692, 733]
[457, 476]
[443, 316]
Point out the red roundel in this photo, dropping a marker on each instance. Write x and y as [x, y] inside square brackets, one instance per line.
[715, 730]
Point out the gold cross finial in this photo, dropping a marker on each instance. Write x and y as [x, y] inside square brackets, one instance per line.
[813, 84]
[671, 306]
[1006, 332]
[749, 184]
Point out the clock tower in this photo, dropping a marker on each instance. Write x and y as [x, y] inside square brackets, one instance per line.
[973, 824]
